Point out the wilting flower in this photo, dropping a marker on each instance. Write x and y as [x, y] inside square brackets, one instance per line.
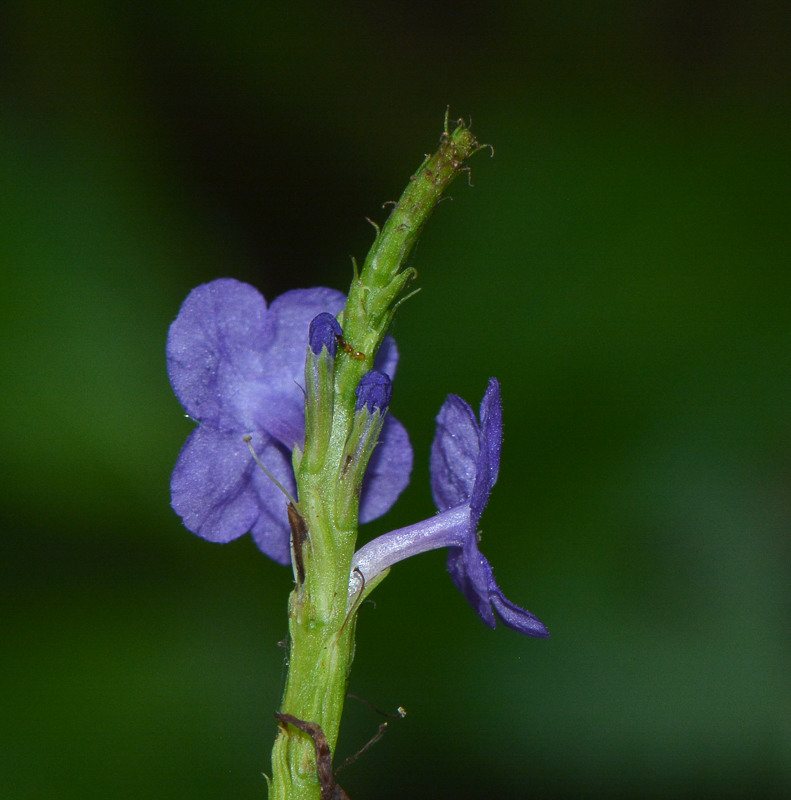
[238, 369]
[465, 459]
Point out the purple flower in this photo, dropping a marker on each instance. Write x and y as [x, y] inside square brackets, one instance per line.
[237, 368]
[465, 459]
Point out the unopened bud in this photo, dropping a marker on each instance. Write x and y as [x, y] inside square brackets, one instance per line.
[373, 392]
[324, 332]
[373, 397]
[323, 337]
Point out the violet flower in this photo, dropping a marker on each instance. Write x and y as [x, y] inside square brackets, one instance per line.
[237, 367]
[465, 459]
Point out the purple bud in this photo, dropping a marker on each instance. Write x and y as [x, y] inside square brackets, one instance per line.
[324, 332]
[373, 391]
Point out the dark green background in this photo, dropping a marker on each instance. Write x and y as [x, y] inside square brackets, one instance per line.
[622, 265]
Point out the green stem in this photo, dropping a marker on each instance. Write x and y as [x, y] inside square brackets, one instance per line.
[321, 628]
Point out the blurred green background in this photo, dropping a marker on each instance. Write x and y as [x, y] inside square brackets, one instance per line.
[621, 265]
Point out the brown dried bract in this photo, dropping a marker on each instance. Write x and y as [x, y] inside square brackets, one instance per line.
[299, 536]
[329, 789]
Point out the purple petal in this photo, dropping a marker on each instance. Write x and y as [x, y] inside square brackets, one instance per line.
[220, 326]
[387, 358]
[221, 493]
[517, 618]
[491, 440]
[473, 576]
[454, 454]
[276, 399]
[270, 532]
[388, 471]
[471, 579]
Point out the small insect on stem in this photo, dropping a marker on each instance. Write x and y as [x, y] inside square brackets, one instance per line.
[348, 349]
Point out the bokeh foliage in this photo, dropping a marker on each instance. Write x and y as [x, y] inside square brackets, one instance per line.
[621, 265]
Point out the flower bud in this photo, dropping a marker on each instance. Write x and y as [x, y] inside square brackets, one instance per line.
[373, 392]
[320, 387]
[373, 397]
[324, 332]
